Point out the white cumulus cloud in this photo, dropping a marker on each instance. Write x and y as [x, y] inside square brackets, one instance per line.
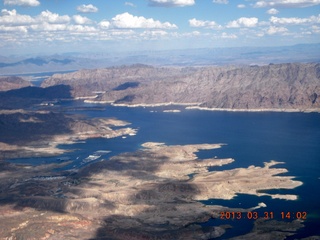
[81, 29]
[27, 3]
[203, 24]
[12, 18]
[105, 24]
[130, 4]
[241, 6]
[153, 34]
[45, 21]
[295, 21]
[243, 22]
[126, 20]
[272, 11]
[14, 29]
[287, 3]
[53, 27]
[221, 1]
[274, 30]
[315, 29]
[47, 16]
[87, 8]
[228, 36]
[78, 19]
[171, 3]
[48, 27]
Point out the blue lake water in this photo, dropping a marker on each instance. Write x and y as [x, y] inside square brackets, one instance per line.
[250, 138]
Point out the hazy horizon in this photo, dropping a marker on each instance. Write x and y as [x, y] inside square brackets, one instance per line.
[45, 27]
[126, 52]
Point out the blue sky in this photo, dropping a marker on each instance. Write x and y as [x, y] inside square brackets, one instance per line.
[57, 26]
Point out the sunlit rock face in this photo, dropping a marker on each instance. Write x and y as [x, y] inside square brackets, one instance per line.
[292, 86]
[9, 83]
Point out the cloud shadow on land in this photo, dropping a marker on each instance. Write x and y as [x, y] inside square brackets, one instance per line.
[162, 213]
[130, 193]
[25, 127]
[140, 195]
[19, 187]
[150, 205]
[20, 127]
[26, 97]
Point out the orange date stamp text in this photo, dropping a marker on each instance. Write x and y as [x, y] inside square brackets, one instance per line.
[266, 215]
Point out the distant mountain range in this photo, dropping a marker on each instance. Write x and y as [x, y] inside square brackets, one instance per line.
[224, 78]
[183, 57]
[291, 86]
[36, 61]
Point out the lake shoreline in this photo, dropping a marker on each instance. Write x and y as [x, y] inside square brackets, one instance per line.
[196, 106]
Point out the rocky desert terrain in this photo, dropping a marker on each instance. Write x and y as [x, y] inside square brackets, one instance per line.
[153, 193]
[158, 191]
[287, 87]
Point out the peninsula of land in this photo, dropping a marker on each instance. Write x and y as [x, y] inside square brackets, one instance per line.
[33, 123]
[153, 192]
[38, 133]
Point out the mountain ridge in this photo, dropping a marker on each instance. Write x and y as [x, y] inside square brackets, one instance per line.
[12, 82]
[287, 86]
[176, 57]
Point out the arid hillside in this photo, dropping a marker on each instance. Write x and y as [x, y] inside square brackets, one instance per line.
[292, 86]
[9, 83]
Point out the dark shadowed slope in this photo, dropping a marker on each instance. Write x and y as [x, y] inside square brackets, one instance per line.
[27, 96]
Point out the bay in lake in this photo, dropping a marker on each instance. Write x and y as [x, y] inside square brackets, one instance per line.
[250, 138]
